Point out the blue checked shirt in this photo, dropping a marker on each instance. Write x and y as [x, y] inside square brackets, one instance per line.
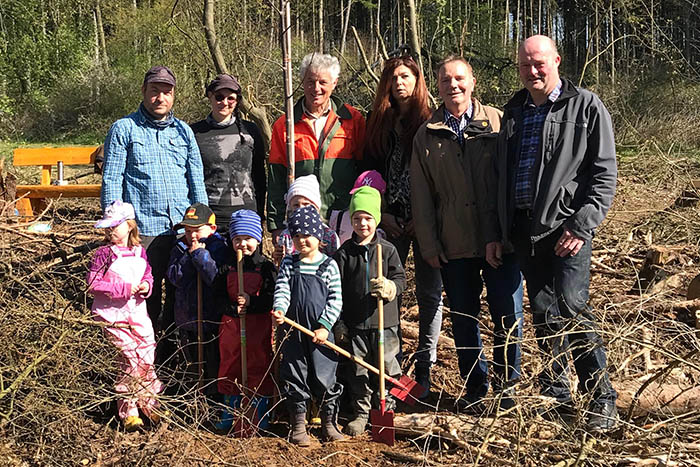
[533, 122]
[159, 171]
[458, 125]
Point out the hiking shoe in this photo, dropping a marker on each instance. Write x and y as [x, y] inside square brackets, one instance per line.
[602, 417]
[132, 423]
[356, 426]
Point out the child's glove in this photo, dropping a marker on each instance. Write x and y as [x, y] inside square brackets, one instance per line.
[341, 333]
[383, 287]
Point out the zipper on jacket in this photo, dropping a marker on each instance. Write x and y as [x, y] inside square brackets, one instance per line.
[367, 271]
[532, 247]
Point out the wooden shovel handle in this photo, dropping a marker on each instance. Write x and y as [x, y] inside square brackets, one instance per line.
[380, 312]
[241, 316]
[332, 346]
[200, 334]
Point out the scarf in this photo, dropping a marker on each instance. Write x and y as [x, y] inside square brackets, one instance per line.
[160, 124]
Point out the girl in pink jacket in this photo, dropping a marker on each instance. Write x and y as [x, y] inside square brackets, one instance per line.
[120, 279]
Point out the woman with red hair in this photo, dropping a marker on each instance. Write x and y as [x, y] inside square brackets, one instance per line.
[400, 107]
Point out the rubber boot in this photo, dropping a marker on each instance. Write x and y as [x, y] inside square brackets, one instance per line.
[329, 430]
[298, 435]
[357, 425]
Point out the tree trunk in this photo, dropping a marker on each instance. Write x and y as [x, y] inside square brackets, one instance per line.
[413, 26]
[257, 114]
[345, 28]
[612, 48]
[320, 26]
[104, 60]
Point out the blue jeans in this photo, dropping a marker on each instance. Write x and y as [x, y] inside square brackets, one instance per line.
[429, 297]
[558, 292]
[464, 280]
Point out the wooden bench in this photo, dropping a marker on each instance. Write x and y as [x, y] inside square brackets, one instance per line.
[32, 198]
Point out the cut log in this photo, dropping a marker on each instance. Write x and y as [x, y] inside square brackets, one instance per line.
[662, 399]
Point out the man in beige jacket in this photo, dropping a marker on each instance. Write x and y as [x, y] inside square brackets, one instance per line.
[453, 190]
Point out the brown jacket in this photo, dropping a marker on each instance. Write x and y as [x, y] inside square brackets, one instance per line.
[453, 187]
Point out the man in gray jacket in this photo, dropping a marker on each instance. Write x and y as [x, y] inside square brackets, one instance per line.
[557, 175]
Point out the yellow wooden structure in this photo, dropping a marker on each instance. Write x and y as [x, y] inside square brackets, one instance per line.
[32, 198]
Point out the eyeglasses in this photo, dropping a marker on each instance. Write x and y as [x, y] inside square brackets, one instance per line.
[222, 98]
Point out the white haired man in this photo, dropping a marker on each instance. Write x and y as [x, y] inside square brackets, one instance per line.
[328, 142]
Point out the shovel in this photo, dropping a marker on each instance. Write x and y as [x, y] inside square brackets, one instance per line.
[247, 424]
[200, 335]
[405, 389]
[382, 420]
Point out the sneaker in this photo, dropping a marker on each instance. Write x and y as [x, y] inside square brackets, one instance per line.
[132, 423]
[602, 417]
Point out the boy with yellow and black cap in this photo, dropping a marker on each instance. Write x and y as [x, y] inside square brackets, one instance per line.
[357, 261]
[202, 252]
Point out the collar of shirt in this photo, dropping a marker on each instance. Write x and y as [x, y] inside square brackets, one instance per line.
[463, 121]
[308, 113]
[553, 96]
[318, 122]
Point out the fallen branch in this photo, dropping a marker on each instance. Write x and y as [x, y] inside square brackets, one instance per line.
[445, 427]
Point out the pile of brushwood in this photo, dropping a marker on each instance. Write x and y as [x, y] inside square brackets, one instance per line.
[57, 403]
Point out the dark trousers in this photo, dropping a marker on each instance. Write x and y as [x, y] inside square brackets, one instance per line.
[307, 371]
[365, 344]
[429, 298]
[464, 280]
[558, 292]
[162, 314]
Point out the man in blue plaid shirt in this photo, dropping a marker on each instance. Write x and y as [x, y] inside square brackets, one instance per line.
[152, 161]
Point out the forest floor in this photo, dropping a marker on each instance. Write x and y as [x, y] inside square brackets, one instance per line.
[57, 406]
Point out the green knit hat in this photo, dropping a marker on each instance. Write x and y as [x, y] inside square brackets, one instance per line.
[367, 199]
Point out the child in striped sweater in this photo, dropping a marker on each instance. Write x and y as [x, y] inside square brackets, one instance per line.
[309, 291]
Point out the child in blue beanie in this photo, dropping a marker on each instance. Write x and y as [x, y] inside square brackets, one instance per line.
[255, 301]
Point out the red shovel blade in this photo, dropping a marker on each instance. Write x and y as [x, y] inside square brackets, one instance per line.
[382, 426]
[406, 389]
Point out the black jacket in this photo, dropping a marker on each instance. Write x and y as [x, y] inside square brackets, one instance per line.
[358, 264]
[576, 173]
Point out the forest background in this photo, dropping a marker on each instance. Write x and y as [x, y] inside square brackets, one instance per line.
[69, 68]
